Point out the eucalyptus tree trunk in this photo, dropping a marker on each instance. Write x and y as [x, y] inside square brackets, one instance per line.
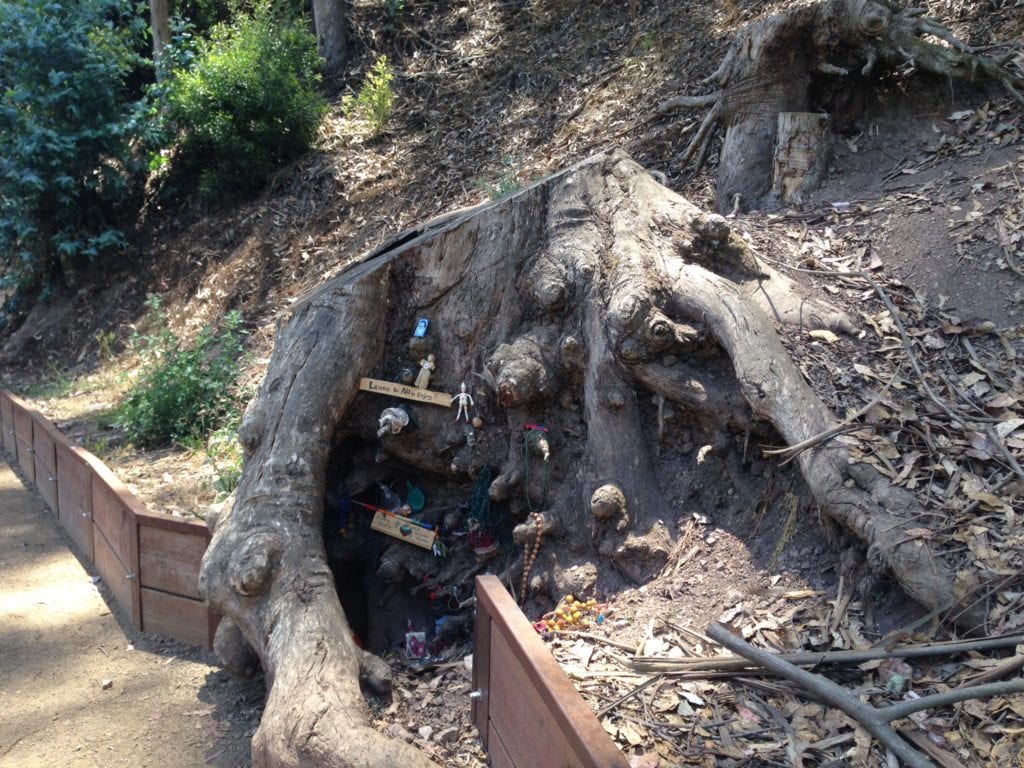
[330, 19]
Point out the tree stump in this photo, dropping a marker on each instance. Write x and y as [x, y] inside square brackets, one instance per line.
[802, 56]
[575, 300]
[802, 147]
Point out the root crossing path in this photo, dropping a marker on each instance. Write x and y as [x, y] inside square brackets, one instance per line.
[75, 688]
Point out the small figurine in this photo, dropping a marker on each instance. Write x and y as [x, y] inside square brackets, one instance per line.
[391, 421]
[426, 368]
[465, 400]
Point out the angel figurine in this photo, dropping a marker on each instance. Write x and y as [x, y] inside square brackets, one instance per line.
[426, 368]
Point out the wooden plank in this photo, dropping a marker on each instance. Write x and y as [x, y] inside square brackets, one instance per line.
[44, 454]
[500, 758]
[23, 437]
[521, 715]
[405, 391]
[567, 711]
[120, 580]
[113, 516]
[44, 440]
[481, 672]
[7, 423]
[46, 482]
[177, 617]
[169, 560]
[188, 526]
[74, 496]
[403, 528]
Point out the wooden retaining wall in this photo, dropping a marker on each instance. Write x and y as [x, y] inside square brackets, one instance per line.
[528, 712]
[148, 560]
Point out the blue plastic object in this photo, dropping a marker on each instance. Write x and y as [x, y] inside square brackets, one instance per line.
[421, 328]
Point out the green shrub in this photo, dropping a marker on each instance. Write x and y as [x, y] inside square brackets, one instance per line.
[182, 393]
[248, 103]
[67, 118]
[376, 98]
[224, 453]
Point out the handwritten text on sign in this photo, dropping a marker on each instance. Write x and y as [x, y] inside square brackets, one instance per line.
[396, 389]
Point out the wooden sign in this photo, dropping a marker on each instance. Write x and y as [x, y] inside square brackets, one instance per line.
[403, 528]
[397, 389]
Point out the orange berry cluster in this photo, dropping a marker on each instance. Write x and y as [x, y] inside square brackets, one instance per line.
[571, 613]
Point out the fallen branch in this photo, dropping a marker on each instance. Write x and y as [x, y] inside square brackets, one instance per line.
[827, 691]
[812, 659]
[875, 720]
[1007, 667]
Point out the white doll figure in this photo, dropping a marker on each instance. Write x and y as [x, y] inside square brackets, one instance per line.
[465, 400]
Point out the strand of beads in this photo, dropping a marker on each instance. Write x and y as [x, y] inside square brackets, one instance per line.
[530, 556]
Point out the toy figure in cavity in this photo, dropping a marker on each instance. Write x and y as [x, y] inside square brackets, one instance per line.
[465, 400]
[426, 368]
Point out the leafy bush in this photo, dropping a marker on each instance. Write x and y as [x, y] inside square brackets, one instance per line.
[67, 118]
[225, 455]
[376, 98]
[247, 104]
[182, 394]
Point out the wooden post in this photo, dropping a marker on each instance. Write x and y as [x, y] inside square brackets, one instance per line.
[802, 148]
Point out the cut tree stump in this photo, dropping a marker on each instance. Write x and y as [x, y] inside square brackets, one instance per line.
[566, 304]
[802, 147]
[805, 56]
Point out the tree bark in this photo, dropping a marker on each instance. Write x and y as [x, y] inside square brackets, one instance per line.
[802, 148]
[778, 63]
[571, 298]
[160, 23]
[330, 19]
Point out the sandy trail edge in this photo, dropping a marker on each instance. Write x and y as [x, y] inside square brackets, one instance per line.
[60, 639]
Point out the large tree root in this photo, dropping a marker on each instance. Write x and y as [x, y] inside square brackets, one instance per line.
[786, 63]
[565, 297]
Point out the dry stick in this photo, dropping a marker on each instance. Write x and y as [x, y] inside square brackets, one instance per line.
[811, 659]
[937, 753]
[875, 720]
[991, 434]
[600, 639]
[905, 339]
[827, 691]
[907, 345]
[628, 695]
[849, 424]
[1007, 667]
[954, 696]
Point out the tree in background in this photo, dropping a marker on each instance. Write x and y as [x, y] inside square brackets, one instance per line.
[67, 118]
[331, 20]
[160, 23]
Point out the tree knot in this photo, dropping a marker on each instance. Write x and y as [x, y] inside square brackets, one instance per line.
[253, 563]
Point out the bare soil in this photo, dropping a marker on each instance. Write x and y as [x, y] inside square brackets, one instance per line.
[79, 686]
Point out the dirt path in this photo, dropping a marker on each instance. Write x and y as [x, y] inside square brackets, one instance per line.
[76, 688]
